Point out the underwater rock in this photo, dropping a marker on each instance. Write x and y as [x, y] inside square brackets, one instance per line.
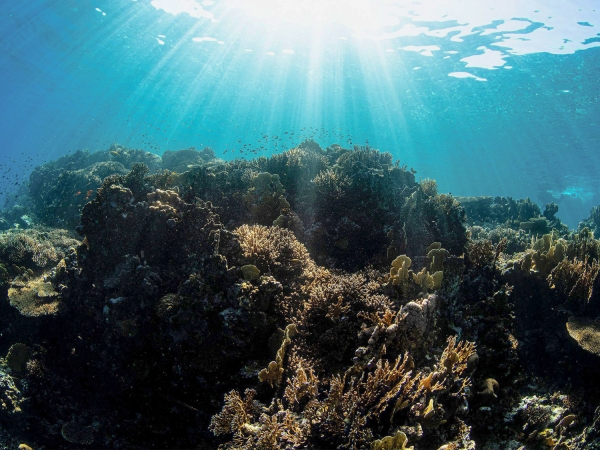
[535, 225]
[592, 222]
[77, 434]
[494, 211]
[11, 398]
[59, 189]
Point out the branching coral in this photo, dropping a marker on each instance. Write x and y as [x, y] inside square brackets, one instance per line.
[275, 250]
[344, 411]
[331, 186]
[575, 279]
[35, 248]
[326, 314]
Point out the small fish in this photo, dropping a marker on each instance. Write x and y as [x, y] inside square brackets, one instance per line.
[114, 153]
[77, 193]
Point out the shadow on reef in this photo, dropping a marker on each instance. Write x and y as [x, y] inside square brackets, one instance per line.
[313, 299]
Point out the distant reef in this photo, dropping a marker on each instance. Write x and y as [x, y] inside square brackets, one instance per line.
[314, 299]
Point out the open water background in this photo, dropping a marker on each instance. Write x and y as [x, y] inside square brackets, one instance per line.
[518, 116]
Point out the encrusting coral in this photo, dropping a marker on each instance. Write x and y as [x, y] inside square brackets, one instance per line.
[586, 332]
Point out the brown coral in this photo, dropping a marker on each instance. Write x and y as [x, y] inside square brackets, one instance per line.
[275, 250]
[36, 248]
[575, 278]
[35, 297]
[274, 371]
[586, 332]
[344, 411]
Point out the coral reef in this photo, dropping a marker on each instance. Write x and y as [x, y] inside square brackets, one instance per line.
[522, 214]
[318, 298]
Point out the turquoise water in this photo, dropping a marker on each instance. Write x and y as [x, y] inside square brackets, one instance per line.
[486, 98]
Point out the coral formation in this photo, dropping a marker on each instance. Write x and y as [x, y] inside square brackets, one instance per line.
[353, 307]
[34, 297]
[586, 332]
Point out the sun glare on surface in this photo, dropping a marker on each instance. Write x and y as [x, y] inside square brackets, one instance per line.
[357, 15]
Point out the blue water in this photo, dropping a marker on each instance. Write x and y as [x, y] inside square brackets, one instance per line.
[486, 99]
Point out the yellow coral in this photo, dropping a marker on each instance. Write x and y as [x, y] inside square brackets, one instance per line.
[547, 253]
[34, 298]
[274, 249]
[274, 371]
[395, 442]
[399, 270]
[437, 255]
[40, 246]
[427, 281]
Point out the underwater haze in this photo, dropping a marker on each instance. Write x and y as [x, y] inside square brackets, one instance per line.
[488, 98]
[299, 225]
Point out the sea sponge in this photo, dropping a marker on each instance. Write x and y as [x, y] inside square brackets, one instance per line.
[489, 390]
